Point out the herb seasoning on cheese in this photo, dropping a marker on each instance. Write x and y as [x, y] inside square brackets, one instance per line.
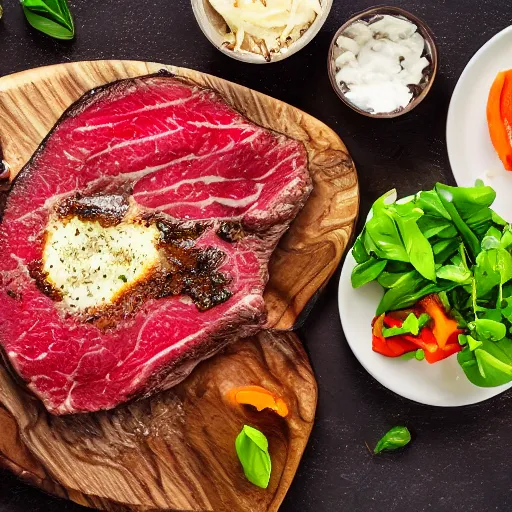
[380, 63]
[90, 264]
[265, 26]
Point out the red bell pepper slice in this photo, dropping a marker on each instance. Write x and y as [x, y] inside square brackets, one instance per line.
[395, 346]
[439, 340]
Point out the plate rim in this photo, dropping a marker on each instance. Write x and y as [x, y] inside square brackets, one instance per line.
[450, 117]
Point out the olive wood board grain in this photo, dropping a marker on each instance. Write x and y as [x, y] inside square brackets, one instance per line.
[175, 451]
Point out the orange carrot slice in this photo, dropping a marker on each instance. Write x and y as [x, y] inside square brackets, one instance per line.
[260, 398]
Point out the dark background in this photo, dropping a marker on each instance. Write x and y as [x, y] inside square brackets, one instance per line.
[459, 458]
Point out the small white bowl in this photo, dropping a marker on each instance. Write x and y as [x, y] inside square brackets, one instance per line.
[213, 27]
[430, 52]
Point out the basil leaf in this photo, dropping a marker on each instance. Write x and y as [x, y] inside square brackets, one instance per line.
[493, 268]
[497, 219]
[392, 279]
[445, 249]
[430, 203]
[359, 252]
[488, 329]
[385, 239]
[252, 450]
[409, 292]
[52, 17]
[506, 239]
[367, 272]
[489, 365]
[448, 232]
[490, 242]
[491, 314]
[431, 226]
[446, 195]
[458, 271]
[396, 438]
[417, 246]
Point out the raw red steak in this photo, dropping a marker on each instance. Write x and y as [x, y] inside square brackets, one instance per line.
[220, 188]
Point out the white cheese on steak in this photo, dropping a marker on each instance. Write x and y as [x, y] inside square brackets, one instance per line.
[91, 265]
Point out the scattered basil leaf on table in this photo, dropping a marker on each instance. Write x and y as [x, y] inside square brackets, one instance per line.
[52, 17]
[396, 438]
[252, 450]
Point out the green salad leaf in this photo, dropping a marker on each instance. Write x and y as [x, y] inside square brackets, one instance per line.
[52, 17]
[367, 272]
[252, 450]
[450, 242]
[396, 438]
[411, 325]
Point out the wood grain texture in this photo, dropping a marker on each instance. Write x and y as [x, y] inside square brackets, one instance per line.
[174, 451]
[32, 101]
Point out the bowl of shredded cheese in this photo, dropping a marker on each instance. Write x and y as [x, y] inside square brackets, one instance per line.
[260, 31]
[382, 62]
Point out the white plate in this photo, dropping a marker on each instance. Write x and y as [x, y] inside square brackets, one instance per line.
[470, 150]
[443, 383]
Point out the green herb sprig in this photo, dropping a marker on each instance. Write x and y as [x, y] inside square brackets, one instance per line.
[252, 450]
[396, 438]
[412, 325]
[52, 17]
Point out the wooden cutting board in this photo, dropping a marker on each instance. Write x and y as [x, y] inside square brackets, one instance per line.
[175, 451]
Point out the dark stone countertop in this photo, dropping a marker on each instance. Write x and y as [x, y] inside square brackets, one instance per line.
[459, 458]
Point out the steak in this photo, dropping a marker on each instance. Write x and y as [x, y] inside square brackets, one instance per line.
[136, 241]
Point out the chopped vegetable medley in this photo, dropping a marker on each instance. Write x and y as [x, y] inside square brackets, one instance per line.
[444, 259]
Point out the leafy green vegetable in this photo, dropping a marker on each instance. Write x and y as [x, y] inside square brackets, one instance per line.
[419, 354]
[367, 272]
[252, 450]
[470, 240]
[52, 17]
[446, 241]
[430, 203]
[411, 325]
[489, 365]
[488, 329]
[387, 244]
[457, 272]
[409, 292]
[359, 252]
[417, 246]
[396, 438]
